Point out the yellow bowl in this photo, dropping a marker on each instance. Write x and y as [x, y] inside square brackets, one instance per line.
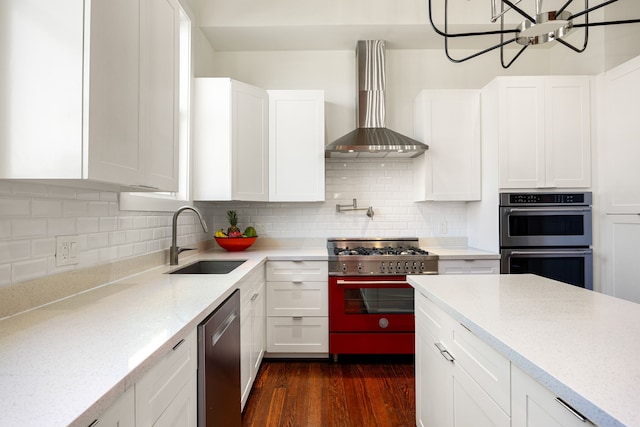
[235, 244]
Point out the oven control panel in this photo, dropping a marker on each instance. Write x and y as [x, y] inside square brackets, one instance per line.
[391, 267]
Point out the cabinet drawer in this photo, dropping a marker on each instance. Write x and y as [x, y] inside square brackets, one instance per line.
[297, 334]
[469, 266]
[297, 271]
[297, 299]
[490, 369]
[535, 405]
[158, 388]
[250, 285]
[436, 321]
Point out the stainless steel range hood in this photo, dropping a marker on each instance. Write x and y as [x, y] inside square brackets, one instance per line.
[372, 138]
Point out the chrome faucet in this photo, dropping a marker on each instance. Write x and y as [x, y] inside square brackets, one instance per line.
[174, 250]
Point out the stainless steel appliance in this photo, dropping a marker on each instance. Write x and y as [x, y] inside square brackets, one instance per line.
[548, 234]
[371, 305]
[219, 366]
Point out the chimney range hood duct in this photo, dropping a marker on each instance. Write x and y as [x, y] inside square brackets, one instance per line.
[372, 138]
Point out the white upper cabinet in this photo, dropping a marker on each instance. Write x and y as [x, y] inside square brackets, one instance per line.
[619, 151]
[91, 91]
[231, 158]
[448, 121]
[544, 131]
[296, 145]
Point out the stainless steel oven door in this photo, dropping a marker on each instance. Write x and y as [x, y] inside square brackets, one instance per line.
[545, 226]
[568, 265]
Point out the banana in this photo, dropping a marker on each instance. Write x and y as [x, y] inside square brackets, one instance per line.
[220, 233]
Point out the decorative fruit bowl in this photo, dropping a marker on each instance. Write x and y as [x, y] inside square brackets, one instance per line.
[235, 244]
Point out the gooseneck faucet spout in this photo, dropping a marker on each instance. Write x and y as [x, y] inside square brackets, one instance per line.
[174, 251]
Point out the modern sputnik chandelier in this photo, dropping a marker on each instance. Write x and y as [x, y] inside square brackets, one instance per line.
[535, 29]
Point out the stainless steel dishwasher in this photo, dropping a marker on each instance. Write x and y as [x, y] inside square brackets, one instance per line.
[219, 366]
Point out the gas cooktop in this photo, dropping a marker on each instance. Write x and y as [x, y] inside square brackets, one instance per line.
[379, 256]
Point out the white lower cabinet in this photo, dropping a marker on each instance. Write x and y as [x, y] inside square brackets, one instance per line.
[122, 413]
[534, 405]
[460, 381]
[167, 394]
[252, 330]
[297, 308]
[469, 266]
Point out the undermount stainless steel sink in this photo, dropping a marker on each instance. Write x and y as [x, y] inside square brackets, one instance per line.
[210, 267]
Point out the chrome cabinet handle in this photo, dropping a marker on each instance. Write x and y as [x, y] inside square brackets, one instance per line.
[573, 412]
[555, 210]
[254, 296]
[177, 345]
[444, 352]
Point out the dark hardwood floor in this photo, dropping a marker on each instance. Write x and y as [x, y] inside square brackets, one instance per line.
[355, 391]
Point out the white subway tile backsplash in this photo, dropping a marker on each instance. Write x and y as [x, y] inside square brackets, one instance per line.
[5, 275]
[87, 225]
[29, 228]
[74, 208]
[46, 208]
[97, 240]
[43, 247]
[61, 226]
[29, 270]
[12, 207]
[5, 229]
[108, 224]
[98, 209]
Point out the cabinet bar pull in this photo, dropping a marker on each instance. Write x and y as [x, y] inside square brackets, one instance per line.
[297, 317]
[178, 345]
[94, 423]
[444, 352]
[623, 214]
[575, 413]
[254, 296]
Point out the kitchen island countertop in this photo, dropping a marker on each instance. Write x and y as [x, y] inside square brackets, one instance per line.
[582, 345]
[64, 363]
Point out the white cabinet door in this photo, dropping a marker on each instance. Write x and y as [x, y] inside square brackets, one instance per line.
[620, 150]
[303, 334]
[171, 383]
[112, 111]
[433, 377]
[160, 60]
[544, 132]
[621, 258]
[460, 381]
[533, 405]
[252, 329]
[296, 145]
[100, 80]
[449, 122]
[122, 413]
[619, 153]
[521, 132]
[568, 132]
[230, 141]
[41, 89]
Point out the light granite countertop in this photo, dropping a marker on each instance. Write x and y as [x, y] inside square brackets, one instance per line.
[64, 363]
[583, 345]
[463, 253]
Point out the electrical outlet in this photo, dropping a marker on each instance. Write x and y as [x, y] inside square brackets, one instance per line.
[260, 229]
[66, 250]
[442, 227]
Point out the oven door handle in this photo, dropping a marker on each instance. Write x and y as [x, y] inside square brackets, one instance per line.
[562, 210]
[552, 253]
[370, 282]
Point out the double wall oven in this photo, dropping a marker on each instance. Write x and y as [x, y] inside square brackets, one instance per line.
[371, 305]
[548, 234]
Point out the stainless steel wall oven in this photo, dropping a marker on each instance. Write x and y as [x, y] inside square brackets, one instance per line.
[549, 234]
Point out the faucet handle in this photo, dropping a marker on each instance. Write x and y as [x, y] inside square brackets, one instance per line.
[185, 249]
